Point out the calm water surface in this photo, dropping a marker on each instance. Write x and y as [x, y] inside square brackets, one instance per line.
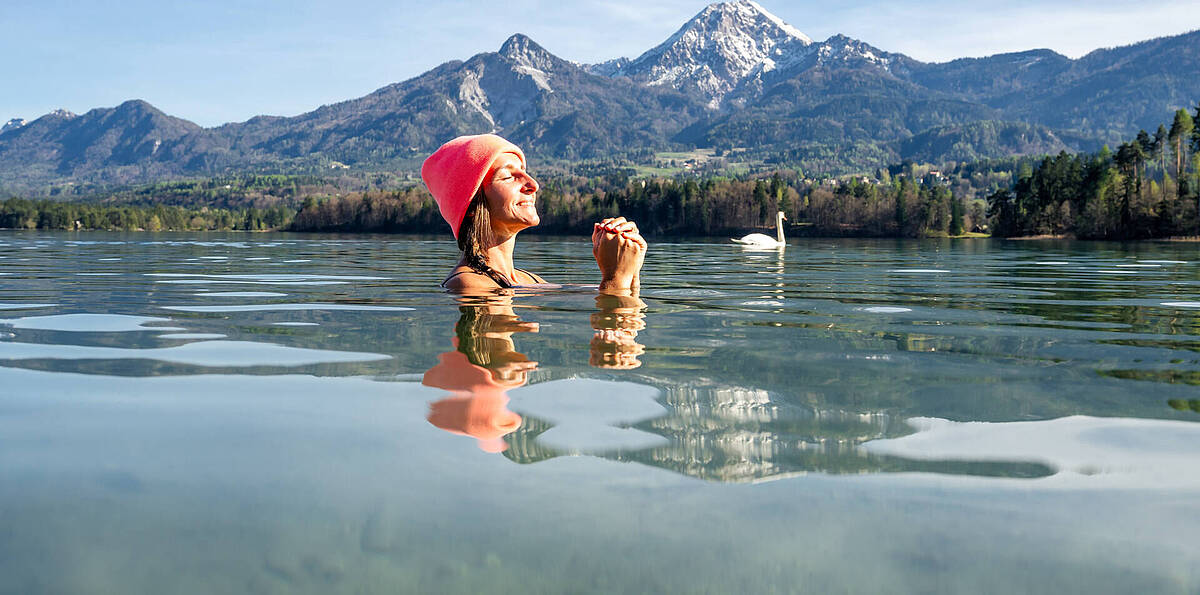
[290, 413]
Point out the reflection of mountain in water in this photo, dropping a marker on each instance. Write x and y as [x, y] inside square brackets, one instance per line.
[736, 434]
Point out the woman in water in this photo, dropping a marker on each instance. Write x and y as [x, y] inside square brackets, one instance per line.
[486, 195]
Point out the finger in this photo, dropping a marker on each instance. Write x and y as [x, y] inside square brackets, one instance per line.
[636, 238]
[614, 222]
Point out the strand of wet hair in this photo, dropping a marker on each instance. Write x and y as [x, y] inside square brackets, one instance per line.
[476, 229]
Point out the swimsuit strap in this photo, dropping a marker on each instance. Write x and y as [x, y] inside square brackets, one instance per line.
[506, 284]
[531, 275]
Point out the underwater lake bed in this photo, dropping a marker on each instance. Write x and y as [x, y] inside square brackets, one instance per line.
[275, 413]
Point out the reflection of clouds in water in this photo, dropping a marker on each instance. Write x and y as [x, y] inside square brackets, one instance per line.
[242, 294]
[1086, 451]
[1182, 304]
[231, 281]
[17, 306]
[260, 279]
[296, 324]
[273, 277]
[88, 323]
[884, 309]
[683, 293]
[203, 353]
[918, 271]
[192, 336]
[587, 414]
[285, 307]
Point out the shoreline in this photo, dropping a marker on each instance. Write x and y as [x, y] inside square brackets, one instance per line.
[968, 236]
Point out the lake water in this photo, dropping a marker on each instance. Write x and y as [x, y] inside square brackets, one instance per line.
[302, 413]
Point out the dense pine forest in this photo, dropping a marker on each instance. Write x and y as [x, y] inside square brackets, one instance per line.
[1149, 187]
[19, 213]
[678, 207]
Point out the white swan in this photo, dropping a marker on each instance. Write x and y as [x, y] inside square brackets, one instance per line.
[762, 240]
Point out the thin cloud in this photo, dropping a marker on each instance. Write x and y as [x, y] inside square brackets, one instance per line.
[939, 33]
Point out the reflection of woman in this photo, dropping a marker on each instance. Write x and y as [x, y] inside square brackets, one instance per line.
[484, 364]
[484, 192]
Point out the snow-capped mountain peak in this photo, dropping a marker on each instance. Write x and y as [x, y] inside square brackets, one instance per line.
[523, 51]
[13, 124]
[750, 6]
[718, 49]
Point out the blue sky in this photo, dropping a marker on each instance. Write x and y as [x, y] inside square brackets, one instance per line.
[219, 61]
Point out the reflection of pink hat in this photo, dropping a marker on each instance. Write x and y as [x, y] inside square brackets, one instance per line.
[484, 417]
[457, 169]
[455, 373]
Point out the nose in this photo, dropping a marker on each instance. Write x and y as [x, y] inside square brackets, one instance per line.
[530, 186]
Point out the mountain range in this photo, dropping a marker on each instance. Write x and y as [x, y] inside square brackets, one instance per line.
[734, 76]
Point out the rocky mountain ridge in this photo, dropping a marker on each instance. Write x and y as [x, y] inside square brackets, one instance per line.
[733, 76]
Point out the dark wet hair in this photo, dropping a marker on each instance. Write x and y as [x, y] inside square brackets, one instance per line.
[475, 235]
[481, 337]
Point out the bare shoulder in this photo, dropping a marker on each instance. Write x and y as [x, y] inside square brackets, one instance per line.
[464, 278]
[525, 277]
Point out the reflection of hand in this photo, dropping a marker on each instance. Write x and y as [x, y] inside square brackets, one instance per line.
[614, 344]
[615, 350]
[512, 373]
[619, 250]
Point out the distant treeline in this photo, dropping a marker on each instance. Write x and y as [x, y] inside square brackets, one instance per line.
[677, 207]
[1148, 188]
[18, 213]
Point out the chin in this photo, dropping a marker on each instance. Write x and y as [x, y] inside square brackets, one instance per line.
[531, 221]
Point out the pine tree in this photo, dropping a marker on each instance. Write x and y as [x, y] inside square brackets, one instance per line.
[1160, 148]
[956, 216]
[1182, 129]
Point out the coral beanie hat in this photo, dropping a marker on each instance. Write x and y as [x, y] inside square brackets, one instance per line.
[457, 169]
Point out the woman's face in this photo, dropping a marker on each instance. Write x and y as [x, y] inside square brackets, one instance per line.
[511, 196]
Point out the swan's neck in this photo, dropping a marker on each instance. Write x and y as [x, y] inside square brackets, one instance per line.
[779, 229]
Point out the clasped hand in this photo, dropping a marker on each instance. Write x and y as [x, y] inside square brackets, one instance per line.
[619, 250]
